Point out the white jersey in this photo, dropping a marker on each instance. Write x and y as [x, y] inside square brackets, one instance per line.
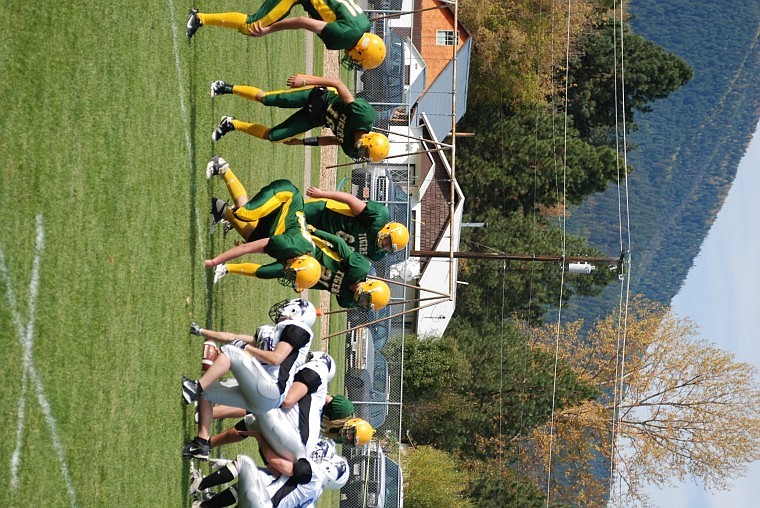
[267, 338]
[293, 433]
[258, 488]
[257, 386]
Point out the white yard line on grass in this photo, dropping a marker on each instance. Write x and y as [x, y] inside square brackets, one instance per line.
[186, 125]
[29, 373]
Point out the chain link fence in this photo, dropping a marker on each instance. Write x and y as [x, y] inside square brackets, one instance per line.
[374, 350]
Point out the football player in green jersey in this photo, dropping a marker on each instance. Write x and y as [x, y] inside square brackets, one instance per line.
[321, 102]
[364, 225]
[271, 222]
[343, 272]
[340, 24]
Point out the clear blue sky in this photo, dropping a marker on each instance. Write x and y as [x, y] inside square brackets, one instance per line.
[721, 294]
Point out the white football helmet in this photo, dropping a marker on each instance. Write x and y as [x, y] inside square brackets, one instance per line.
[321, 356]
[336, 472]
[297, 309]
[266, 338]
[324, 449]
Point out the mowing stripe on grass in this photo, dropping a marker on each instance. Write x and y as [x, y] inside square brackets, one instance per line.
[186, 125]
[29, 373]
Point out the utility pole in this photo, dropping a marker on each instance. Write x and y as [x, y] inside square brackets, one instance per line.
[520, 257]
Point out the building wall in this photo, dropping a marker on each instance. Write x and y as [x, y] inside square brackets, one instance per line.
[426, 25]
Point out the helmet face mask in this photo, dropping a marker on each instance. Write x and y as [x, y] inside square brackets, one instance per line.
[356, 432]
[393, 237]
[301, 273]
[265, 337]
[373, 146]
[296, 310]
[323, 450]
[348, 62]
[368, 53]
[373, 294]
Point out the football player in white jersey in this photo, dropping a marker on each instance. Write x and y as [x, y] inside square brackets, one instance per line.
[258, 487]
[293, 430]
[262, 374]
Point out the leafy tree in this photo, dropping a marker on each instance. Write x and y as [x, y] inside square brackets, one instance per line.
[650, 73]
[515, 47]
[515, 162]
[686, 409]
[501, 373]
[433, 477]
[430, 365]
[528, 288]
[495, 482]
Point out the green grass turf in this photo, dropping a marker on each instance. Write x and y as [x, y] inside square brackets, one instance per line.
[105, 134]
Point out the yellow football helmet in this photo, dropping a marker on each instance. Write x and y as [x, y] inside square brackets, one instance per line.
[356, 432]
[301, 273]
[368, 53]
[392, 237]
[373, 146]
[372, 294]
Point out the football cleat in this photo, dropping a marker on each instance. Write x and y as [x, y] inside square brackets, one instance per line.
[220, 88]
[191, 390]
[218, 207]
[196, 449]
[219, 273]
[225, 126]
[193, 23]
[216, 166]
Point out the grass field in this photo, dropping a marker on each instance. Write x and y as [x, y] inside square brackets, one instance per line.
[105, 134]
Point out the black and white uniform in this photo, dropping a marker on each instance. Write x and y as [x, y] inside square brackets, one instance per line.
[258, 488]
[258, 386]
[293, 433]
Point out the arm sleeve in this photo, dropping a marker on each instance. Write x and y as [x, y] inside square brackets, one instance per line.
[308, 377]
[341, 35]
[295, 336]
[346, 300]
[302, 471]
[340, 245]
[375, 213]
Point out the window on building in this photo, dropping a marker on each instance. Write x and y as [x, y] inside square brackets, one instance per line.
[445, 37]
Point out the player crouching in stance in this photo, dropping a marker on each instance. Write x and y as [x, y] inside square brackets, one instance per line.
[262, 374]
[299, 483]
[271, 222]
[341, 24]
[292, 431]
[364, 225]
[321, 102]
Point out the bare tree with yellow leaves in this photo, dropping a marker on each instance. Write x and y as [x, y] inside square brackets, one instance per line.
[685, 409]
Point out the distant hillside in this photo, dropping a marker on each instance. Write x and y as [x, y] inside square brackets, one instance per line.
[687, 149]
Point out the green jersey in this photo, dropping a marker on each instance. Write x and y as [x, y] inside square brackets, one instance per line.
[341, 267]
[359, 232]
[345, 119]
[277, 210]
[320, 107]
[346, 22]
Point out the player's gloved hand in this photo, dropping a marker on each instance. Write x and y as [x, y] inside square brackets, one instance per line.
[239, 343]
[195, 329]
